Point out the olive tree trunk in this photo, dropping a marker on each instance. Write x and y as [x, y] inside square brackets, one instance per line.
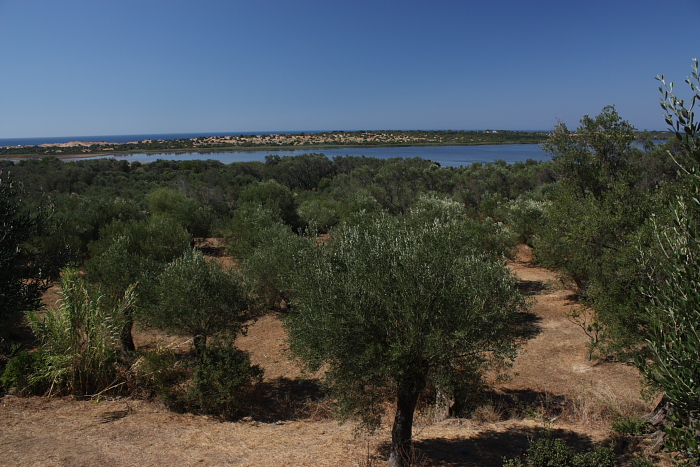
[125, 336]
[200, 345]
[402, 432]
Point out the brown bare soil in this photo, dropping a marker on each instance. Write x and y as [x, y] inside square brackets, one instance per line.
[552, 385]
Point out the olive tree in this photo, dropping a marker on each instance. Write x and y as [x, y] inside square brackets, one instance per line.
[393, 307]
[673, 306]
[187, 212]
[25, 271]
[197, 297]
[130, 253]
[595, 217]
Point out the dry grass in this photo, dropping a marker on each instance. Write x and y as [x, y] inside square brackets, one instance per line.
[489, 413]
[552, 385]
[602, 404]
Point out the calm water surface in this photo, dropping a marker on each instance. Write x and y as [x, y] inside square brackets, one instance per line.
[444, 155]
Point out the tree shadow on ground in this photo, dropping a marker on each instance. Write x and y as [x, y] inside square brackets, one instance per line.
[527, 325]
[212, 251]
[525, 403]
[486, 449]
[285, 399]
[530, 287]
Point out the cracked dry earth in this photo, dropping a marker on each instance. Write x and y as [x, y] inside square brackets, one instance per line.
[553, 385]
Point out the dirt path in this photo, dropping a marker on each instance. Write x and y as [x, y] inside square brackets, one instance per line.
[553, 380]
[554, 363]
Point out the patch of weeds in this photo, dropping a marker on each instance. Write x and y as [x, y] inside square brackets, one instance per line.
[321, 409]
[543, 408]
[641, 461]
[487, 413]
[629, 425]
[548, 451]
[160, 373]
[602, 404]
[369, 459]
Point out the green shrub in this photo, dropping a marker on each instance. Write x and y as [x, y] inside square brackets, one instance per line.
[17, 377]
[218, 382]
[186, 212]
[250, 227]
[223, 378]
[525, 217]
[161, 373]
[318, 215]
[489, 205]
[269, 269]
[354, 203]
[632, 425]
[431, 206]
[274, 197]
[548, 451]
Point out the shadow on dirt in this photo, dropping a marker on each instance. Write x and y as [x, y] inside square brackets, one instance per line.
[214, 252]
[525, 403]
[486, 449]
[285, 399]
[527, 325]
[530, 287]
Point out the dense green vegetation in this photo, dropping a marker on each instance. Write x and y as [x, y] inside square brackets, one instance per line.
[390, 272]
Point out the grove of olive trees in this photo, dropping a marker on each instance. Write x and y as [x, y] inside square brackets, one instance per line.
[390, 275]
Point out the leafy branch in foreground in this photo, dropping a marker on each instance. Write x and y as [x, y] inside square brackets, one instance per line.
[673, 307]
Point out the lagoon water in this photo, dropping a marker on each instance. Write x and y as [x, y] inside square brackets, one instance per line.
[444, 155]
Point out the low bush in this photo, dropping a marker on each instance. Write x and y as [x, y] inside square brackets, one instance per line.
[160, 373]
[318, 215]
[629, 425]
[223, 380]
[219, 381]
[17, 377]
[525, 217]
[269, 269]
[549, 451]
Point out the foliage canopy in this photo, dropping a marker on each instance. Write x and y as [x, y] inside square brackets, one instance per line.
[394, 307]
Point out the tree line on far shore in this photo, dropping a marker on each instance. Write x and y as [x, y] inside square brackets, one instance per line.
[298, 140]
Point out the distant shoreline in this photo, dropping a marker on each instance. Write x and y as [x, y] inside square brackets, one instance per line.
[201, 150]
[310, 142]
[273, 142]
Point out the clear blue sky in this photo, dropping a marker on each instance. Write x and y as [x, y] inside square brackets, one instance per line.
[153, 66]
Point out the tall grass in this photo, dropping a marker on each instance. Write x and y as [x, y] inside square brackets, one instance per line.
[80, 346]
